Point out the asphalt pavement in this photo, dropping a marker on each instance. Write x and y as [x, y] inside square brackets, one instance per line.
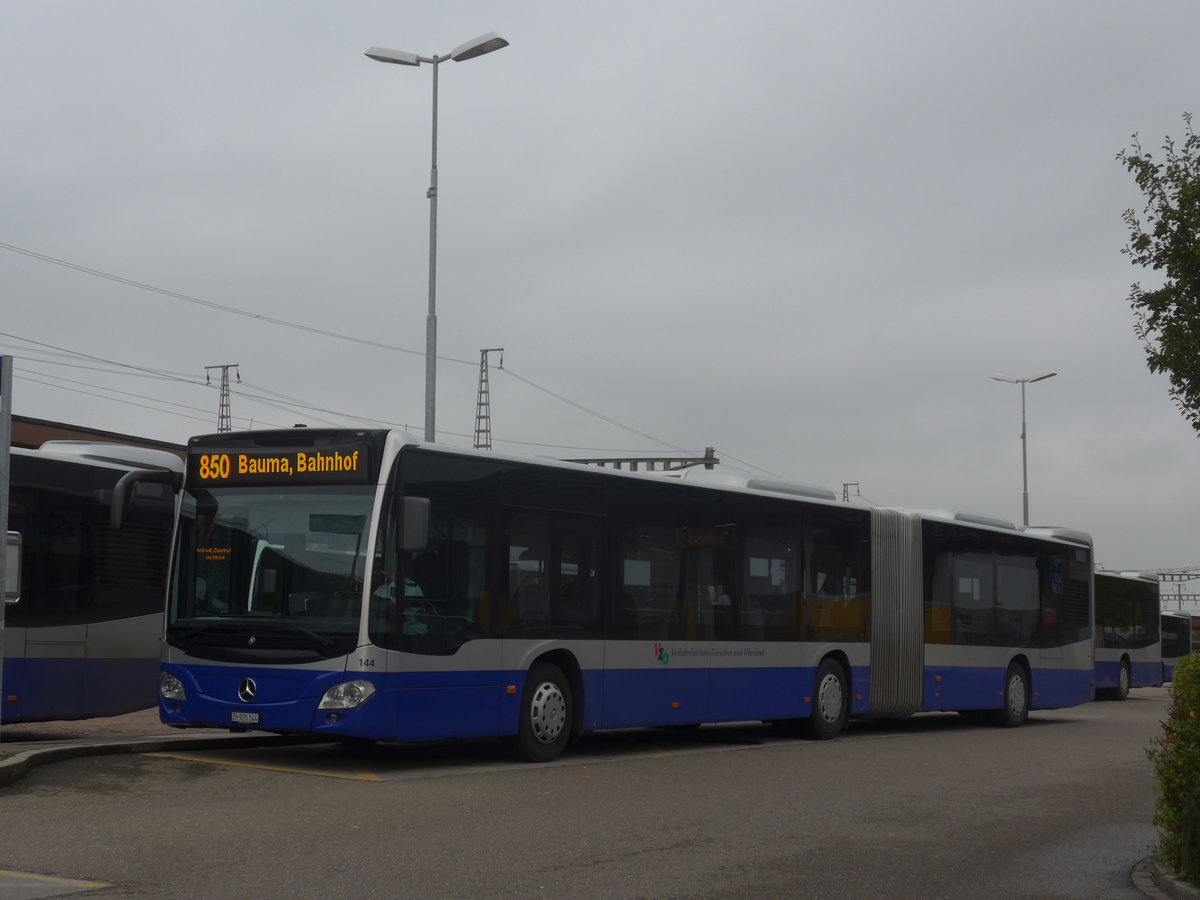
[29, 744]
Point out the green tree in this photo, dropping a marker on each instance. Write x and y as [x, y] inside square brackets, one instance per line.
[1166, 239]
[1176, 759]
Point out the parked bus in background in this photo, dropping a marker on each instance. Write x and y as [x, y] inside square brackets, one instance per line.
[81, 638]
[1177, 639]
[363, 585]
[1128, 641]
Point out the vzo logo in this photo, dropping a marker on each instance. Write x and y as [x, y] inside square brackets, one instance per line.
[661, 654]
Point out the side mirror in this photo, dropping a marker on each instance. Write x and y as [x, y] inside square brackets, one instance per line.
[414, 523]
[122, 494]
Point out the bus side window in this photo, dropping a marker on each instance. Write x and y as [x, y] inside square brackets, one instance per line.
[648, 600]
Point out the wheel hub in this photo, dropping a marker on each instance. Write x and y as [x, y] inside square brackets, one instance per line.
[1016, 696]
[829, 698]
[547, 712]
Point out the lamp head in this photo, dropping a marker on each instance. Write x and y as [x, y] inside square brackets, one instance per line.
[399, 57]
[485, 43]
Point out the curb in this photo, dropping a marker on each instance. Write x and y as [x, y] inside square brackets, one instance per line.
[1155, 880]
[15, 767]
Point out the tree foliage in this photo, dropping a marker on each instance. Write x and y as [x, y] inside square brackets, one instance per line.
[1165, 238]
[1176, 759]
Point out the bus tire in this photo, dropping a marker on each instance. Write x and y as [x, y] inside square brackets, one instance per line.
[547, 710]
[1015, 710]
[830, 702]
[1124, 679]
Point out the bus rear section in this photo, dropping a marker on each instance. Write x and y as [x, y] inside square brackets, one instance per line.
[81, 640]
[998, 618]
[1177, 640]
[1129, 649]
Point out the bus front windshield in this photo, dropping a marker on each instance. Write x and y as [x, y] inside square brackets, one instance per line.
[286, 563]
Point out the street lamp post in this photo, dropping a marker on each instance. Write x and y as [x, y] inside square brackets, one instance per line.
[478, 47]
[1024, 457]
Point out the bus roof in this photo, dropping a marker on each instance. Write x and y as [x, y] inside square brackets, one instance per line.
[1149, 577]
[123, 455]
[720, 479]
[735, 478]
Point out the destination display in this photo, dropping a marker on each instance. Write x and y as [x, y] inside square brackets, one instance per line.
[342, 464]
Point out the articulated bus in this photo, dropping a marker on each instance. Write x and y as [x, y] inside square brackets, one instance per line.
[82, 634]
[1129, 649]
[363, 585]
[1180, 638]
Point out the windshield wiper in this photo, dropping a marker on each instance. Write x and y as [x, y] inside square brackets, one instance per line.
[189, 634]
[243, 626]
[318, 639]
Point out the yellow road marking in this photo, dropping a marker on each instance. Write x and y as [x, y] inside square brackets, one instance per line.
[364, 776]
[53, 880]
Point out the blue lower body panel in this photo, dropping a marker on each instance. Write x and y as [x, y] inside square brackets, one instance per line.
[1141, 673]
[1146, 674]
[1062, 688]
[640, 697]
[416, 706]
[46, 690]
[1107, 674]
[971, 687]
[436, 705]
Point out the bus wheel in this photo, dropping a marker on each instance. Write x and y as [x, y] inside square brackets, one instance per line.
[1122, 690]
[831, 701]
[544, 727]
[1015, 710]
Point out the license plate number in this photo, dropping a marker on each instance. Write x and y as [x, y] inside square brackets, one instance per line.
[244, 718]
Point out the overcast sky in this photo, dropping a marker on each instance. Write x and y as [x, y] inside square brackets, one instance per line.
[804, 234]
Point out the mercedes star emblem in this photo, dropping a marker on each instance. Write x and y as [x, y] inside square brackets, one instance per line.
[247, 689]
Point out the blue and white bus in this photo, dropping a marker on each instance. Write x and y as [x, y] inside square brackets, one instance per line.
[1178, 630]
[363, 585]
[1128, 639]
[82, 635]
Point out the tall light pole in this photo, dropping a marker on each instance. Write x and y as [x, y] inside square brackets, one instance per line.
[1024, 457]
[483, 44]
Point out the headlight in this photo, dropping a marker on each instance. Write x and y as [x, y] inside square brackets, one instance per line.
[170, 687]
[347, 695]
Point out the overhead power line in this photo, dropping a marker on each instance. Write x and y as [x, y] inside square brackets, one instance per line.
[293, 405]
[592, 412]
[158, 373]
[232, 310]
[103, 397]
[285, 323]
[25, 372]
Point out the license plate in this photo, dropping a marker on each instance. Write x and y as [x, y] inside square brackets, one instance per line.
[244, 718]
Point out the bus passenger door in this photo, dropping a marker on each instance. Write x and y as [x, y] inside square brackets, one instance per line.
[439, 611]
[553, 598]
[656, 658]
